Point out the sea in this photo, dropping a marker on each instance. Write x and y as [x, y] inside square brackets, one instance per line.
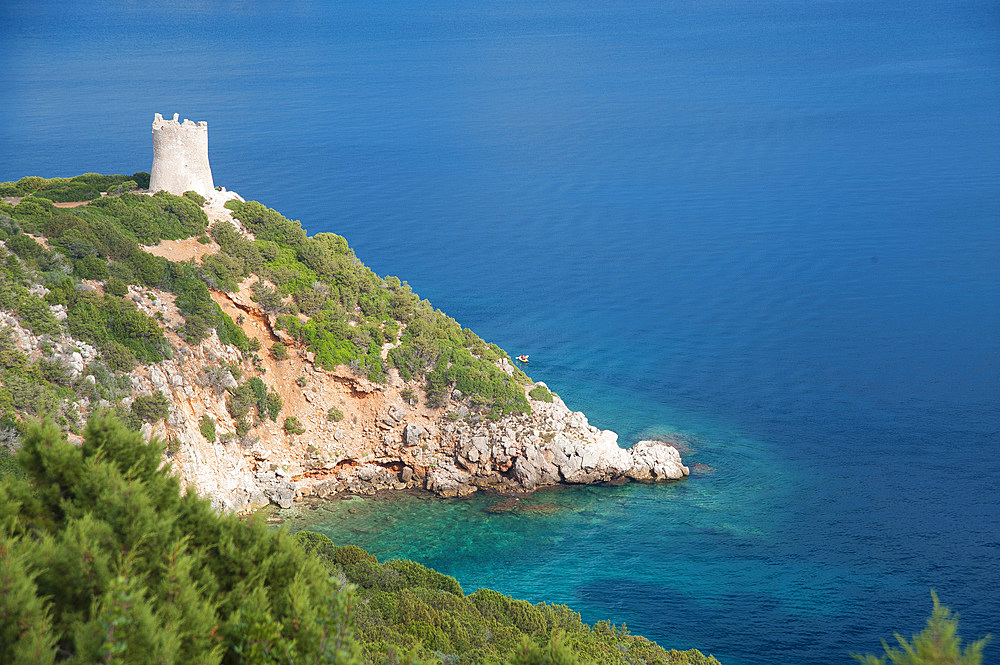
[769, 229]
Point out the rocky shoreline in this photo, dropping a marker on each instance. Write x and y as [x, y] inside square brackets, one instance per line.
[517, 453]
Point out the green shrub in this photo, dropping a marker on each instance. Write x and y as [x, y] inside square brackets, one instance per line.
[117, 356]
[154, 218]
[207, 427]
[412, 574]
[241, 399]
[279, 351]
[230, 333]
[103, 320]
[253, 393]
[151, 408]
[63, 190]
[234, 369]
[196, 305]
[24, 246]
[25, 186]
[273, 404]
[541, 393]
[141, 179]
[91, 267]
[8, 464]
[269, 299]
[116, 287]
[35, 314]
[334, 415]
[87, 187]
[242, 426]
[124, 188]
[32, 211]
[195, 196]
[293, 426]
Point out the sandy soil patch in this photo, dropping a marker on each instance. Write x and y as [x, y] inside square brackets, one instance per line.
[182, 250]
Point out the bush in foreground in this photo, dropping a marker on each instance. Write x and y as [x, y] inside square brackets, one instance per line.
[937, 644]
[102, 559]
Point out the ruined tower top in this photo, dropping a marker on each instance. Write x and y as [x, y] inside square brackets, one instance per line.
[180, 157]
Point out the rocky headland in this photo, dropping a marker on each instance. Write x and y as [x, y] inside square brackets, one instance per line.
[354, 435]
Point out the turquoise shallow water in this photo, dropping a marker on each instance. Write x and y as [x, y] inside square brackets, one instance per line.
[633, 552]
[771, 226]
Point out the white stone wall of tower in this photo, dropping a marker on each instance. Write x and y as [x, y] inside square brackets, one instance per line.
[180, 157]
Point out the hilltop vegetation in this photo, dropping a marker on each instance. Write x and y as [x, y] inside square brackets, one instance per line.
[86, 187]
[81, 261]
[77, 264]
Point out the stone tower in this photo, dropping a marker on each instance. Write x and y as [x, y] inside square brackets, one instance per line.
[180, 157]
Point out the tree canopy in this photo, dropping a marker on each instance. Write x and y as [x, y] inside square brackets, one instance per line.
[102, 559]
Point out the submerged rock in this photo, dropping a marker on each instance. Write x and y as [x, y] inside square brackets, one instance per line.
[541, 508]
[505, 506]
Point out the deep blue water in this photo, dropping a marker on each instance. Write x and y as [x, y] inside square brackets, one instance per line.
[771, 226]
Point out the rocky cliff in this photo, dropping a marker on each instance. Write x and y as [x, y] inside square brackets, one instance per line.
[349, 434]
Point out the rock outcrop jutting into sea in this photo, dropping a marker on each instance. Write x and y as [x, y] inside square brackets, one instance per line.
[382, 442]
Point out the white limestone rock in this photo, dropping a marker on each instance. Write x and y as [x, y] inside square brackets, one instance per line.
[654, 461]
[449, 481]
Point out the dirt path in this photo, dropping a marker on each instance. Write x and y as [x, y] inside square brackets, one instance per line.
[65, 204]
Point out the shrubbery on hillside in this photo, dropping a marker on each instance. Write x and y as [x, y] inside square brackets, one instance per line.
[352, 312]
[32, 388]
[100, 241]
[349, 312]
[541, 393]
